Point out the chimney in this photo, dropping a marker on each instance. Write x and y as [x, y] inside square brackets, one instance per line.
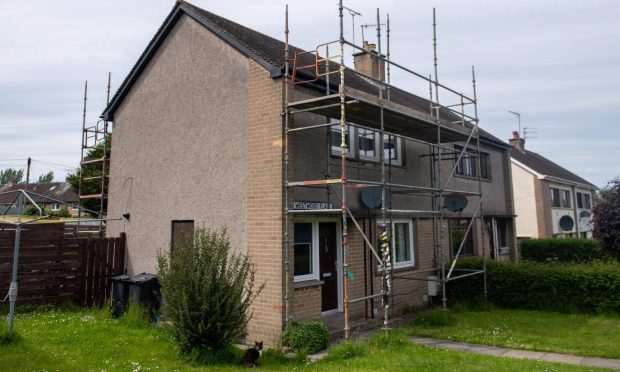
[517, 142]
[367, 63]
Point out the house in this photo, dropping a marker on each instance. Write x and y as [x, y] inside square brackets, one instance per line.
[51, 196]
[207, 133]
[550, 201]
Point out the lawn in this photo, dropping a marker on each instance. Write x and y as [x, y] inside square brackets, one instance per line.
[91, 340]
[587, 335]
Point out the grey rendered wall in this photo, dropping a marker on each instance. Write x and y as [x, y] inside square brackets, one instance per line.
[180, 145]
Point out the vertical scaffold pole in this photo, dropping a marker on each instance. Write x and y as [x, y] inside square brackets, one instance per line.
[387, 272]
[343, 178]
[286, 160]
[439, 203]
[481, 218]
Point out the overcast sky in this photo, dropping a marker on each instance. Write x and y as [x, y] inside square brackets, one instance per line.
[556, 62]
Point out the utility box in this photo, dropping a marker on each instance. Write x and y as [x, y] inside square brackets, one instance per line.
[433, 285]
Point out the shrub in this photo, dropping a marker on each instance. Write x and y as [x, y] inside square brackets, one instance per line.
[588, 287]
[309, 336]
[561, 250]
[208, 291]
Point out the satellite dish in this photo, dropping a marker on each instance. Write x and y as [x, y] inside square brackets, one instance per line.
[567, 223]
[455, 203]
[584, 220]
[371, 196]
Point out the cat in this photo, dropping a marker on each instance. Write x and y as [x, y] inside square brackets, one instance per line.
[250, 358]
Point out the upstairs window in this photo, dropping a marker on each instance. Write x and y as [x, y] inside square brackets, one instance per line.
[555, 197]
[391, 150]
[368, 144]
[566, 199]
[584, 200]
[335, 140]
[468, 165]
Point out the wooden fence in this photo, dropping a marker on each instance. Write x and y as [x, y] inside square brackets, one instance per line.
[54, 267]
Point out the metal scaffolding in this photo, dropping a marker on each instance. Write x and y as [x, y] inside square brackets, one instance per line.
[95, 137]
[437, 128]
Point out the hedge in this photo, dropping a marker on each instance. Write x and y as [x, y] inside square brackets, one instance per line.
[310, 337]
[586, 288]
[561, 250]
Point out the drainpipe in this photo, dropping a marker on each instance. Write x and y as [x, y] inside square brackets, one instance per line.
[576, 212]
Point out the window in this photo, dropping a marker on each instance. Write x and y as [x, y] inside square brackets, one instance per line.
[391, 150]
[458, 234]
[305, 255]
[75, 206]
[485, 166]
[468, 165]
[584, 200]
[183, 229]
[368, 144]
[402, 243]
[335, 139]
[55, 207]
[555, 197]
[566, 199]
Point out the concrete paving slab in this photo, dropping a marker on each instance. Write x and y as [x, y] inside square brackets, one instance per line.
[562, 358]
[601, 362]
[524, 354]
[488, 350]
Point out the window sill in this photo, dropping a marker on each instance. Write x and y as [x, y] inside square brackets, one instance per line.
[308, 283]
[473, 178]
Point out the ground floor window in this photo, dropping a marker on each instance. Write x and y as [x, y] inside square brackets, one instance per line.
[55, 207]
[402, 243]
[459, 234]
[305, 255]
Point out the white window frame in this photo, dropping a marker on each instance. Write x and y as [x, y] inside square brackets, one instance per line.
[411, 262]
[377, 144]
[315, 274]
[75, 206]
[397, 150]
[55, 207]
[335, 150]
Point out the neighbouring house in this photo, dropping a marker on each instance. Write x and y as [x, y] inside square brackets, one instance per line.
[550, 201]
[202, 125]
[51, 196]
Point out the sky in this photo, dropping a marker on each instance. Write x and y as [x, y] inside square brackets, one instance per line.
[557, 63]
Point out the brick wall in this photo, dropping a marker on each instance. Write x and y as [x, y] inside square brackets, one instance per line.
[264, 201]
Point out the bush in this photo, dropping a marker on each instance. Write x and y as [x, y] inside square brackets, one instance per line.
[208, 291]
[309, 336]
[588, 288]
[561, 250]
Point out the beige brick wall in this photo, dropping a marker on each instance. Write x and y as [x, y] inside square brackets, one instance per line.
[264, 201]
[306, 303]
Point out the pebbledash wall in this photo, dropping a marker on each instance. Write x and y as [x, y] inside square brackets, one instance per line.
[184, 150]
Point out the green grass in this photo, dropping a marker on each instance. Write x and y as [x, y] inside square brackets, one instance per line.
[587, 335]
[73, 339]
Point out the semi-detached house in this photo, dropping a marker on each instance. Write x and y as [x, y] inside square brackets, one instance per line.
[199, 140]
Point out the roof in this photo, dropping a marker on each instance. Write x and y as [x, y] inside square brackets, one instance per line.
[40, 192]
[546, 167]
[265, 50]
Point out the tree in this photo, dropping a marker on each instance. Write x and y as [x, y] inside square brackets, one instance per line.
[45, 178]
[92, 186]
[606, 228]
[11, 175]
